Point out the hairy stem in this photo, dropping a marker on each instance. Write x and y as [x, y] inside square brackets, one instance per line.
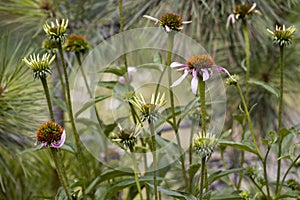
[249, 121]
[152, 132]
[136, 176]
[280, 117]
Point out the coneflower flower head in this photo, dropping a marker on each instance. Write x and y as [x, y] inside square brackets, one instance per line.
[204, 146]
[50, 134]
[77, 44]
[169, 21]
[40, 66]
[49, 45]
[149, 111]
[241, 12]
[56, 32]
[197, 65]
[282, 36]
[126, 137]
[233, 80]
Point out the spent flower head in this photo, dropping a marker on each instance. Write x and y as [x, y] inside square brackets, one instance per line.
[77, 44]
[49, 45]
[282, 36]
[169, 22]
[197, 65]
[126, 137]
[204, 146]
[50, 134]
[240, 12]
[149, 111]
[56, 32]
[40, 66]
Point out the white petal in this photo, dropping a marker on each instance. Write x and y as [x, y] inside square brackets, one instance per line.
[177, 64]
[167, 29]
[151, 18]
[178, 81]
[186, 22]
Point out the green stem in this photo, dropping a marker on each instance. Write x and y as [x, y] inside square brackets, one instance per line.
[285, 175]
[61, 78]
[100, 122]
[175, 125]
[202, 175]
[266, 173]
[152, 132]
[201, 90]
[247, 51]
[71, 116]
[60, 171]
[57, 160]
[258, 187]
[280, 117]
[249, 121]
[123, 39]
[136, 171]
[48, 98]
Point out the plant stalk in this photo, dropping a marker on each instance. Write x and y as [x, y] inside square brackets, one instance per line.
[152, 132]
[280, 117]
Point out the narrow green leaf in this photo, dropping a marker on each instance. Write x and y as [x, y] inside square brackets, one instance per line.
[90, 103]
[238, 145]
[266, 86]
[219, 174]
[107, 84]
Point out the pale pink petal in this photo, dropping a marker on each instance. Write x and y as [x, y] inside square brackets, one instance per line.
[206, 74]
[44, 144]
[122, 80]
[177, 64]
[223, 70]
[151, 18]
[178, 81]
[61, 142]
[194, 82]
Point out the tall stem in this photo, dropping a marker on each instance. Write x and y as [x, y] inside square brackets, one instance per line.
[201, 89]
[57, 160]
[123, 39]
[48, 98]
[152, 132]
[249, 121]
[71, 116]
[247, 51]
[136, 176]
[280, 116]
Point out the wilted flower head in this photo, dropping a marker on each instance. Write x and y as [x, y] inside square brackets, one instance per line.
[241, 12]
[126, 137]
[56, 32]
[197, 65]
[169, 21]
[50, 134]
[282, 36]
[204, 146]
[77, 44]
[40, 67]
[149, 111]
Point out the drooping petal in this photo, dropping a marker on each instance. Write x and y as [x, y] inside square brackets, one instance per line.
[122, 80]
[43, 144]
[194, 82]
[177, 64]
[186, 22]
[167, 29]
[230, 18]
[61, 142]
[223, 70]
[178, 81]
[206, 74]
[252, 8]
[151, 18]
